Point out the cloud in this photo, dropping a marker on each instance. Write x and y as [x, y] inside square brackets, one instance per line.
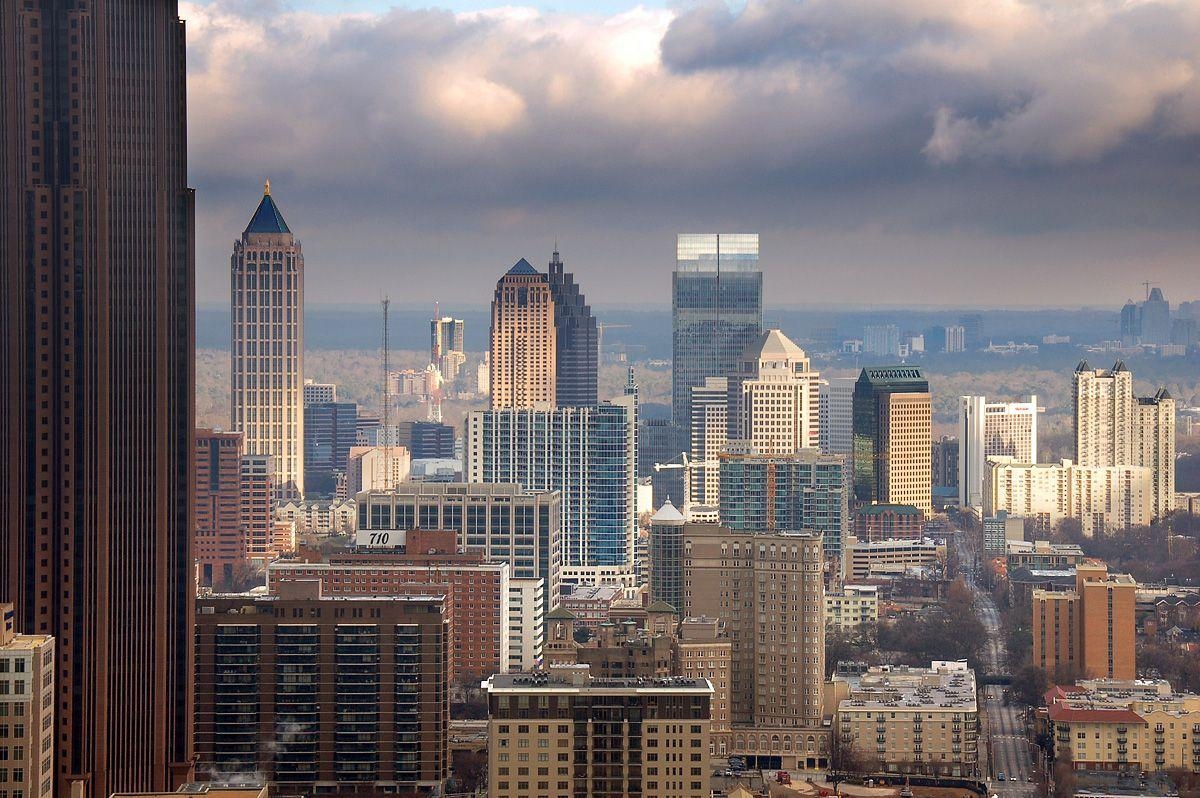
[920, 117]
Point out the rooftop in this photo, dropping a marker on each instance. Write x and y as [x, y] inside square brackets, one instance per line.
[541, 682]
[267, 219]
[943, 685]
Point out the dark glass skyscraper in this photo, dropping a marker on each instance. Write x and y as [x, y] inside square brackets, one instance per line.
[716, 300]
[577, 350]
[96, 360]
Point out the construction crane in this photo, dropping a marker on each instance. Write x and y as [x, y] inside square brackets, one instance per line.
[686, 465]
[600, 328]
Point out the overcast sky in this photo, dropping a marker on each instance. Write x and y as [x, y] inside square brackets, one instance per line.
[981, 152]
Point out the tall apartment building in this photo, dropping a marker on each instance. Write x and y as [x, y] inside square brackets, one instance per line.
[304, 689]
[267, 295]
[835, 414]
[892, 437]
[666, 555]
[769, 590]
[701, 650]
[257, 506]
[447, 345]
[913, 720]
[1154, 447]
[523, 341]
[987, 429]
[577, 346]
[97, 275]
[882, 340]
[501, 521]
[716, 308]
[805, 491]
[709, 438]
[955, 338]
[1088, 631]
[330, 431]
[379, 467]
[1115, 497]
[589, 456]
[774, 398]
[477, 590]
[563, 734]
[944, 462]
[26, 710]
[220, 540]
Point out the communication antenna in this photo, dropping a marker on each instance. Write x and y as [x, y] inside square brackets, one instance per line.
[1147, 283]
[387, 415]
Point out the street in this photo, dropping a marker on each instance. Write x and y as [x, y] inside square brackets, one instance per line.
[1008, 747]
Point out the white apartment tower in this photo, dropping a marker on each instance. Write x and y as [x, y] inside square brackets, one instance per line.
[1115, 428]
[989, 429]
[709, 437]
[267, 374]
[777, 398]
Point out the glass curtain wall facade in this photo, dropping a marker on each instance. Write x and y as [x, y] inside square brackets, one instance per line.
[716, 300]
[588, 455]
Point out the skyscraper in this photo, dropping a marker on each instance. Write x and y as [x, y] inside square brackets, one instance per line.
[892, 437]
[330, 431]
[96, 358]
[267, 294]
[710, 435]
[589, 455]
[523, 340]
[1103, 415]
[220, 544]
[992, 428]
[836, 414]
[447, 345]
[577, 340]
[716, 301]
[1156, 318]
[774, 398]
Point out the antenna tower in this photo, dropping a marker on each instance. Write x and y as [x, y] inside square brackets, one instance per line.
[387, 415]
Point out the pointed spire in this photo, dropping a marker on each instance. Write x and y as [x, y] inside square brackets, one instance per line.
[267, 218]
[267, 187]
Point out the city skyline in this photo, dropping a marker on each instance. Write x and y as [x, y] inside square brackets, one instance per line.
[904, 163]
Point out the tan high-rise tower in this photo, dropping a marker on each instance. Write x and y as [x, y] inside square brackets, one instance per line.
[267, 291]
[523, 348]
[777, 397]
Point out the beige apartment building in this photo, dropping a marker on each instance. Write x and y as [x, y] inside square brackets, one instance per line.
[913, 720]
[523, 341]
[1126, 725]
[778, 397]
[26, 711]
[1089, 631]
[769, 591]
[852, 606]
[893, 455]
[562, 733]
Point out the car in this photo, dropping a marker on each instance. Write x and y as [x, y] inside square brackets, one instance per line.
[1000, 776]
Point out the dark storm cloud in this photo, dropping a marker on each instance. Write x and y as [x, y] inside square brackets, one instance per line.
[844, 130]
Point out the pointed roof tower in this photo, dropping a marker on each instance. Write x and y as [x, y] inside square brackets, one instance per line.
[267, 218]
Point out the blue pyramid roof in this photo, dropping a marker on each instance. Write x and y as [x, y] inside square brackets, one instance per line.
[522, 267]
[267, 218]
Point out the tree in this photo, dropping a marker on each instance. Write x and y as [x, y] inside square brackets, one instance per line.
[1064, 773]
[469, 770]
[1029, 685]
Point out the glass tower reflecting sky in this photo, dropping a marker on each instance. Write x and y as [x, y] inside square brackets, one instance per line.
[717, 308]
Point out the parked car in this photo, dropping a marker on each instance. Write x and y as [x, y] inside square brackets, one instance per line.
[1000, 776]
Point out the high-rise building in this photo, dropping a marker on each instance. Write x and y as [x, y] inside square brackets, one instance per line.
[300, 689]
[623, 735]
[666, 555]
[987, 429]
[710, 434]
[769, 590]
[524, 350]
[1115, 428]
[1088, 631]
[972, 324]
[774, 398]
[27, 701]
[892, 437]
[447, 345]
[330, 431]
[946, 454]
[716, 301]
[97, 275]
[955, 338]
[577, 345]
[882, 340]
[426, 440]
[267, 294]
[220, 542]
[835, 414]
[805, 491]
[1131, 324]
[316, 393]
[588, 455]
[477, 590]
[661, 441]
[1156, 319]
[503, 522]
[257, 506]
[1100, 497]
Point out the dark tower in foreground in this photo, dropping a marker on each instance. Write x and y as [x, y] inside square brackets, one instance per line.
[578, 340]
[96, 378]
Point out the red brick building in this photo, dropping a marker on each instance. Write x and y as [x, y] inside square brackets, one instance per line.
[477, 591]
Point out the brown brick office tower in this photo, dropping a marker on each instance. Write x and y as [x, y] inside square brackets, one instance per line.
[96, 377]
